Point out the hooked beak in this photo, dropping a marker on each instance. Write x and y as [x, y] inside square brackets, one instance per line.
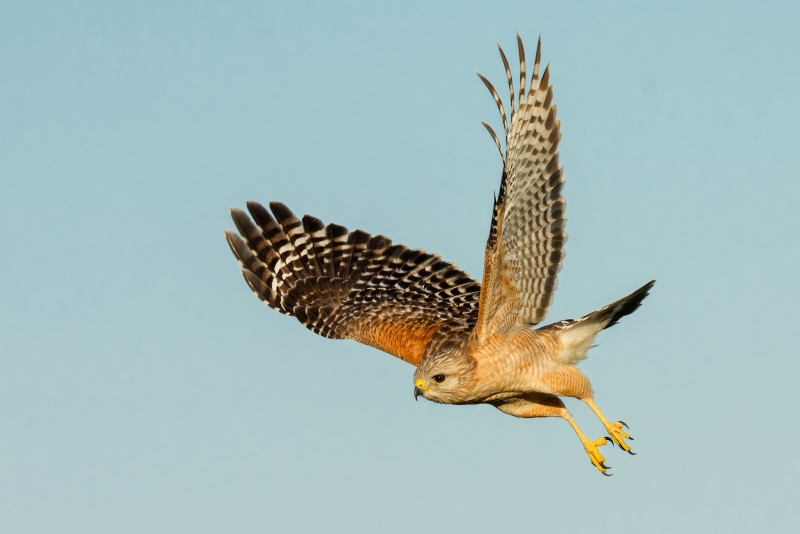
[419, 388]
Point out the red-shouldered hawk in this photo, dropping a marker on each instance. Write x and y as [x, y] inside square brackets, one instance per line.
[472, 343]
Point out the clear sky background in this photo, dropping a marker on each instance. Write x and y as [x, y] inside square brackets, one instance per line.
[143, 388]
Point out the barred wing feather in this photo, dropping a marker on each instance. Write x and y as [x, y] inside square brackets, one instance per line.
[342, 284]
[526, 242]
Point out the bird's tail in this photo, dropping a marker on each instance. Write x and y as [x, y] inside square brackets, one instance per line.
[577, 336]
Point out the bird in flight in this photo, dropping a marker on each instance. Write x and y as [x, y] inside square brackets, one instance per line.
[471, 343]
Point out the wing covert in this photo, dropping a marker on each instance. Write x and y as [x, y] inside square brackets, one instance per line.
[342, 284]
[525, 248]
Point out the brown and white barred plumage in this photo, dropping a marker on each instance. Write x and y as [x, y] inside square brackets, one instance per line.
[526, 241]
[342, 284]
[471, 343]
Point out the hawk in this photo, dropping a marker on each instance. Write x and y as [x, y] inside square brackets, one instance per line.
[470, 342]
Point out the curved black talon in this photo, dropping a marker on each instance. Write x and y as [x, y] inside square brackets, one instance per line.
[623, 423]
[607, 474]
[631, 453]
[604, 466]
[630, 438]
[609, 440]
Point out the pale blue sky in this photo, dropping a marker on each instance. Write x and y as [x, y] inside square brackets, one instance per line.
[144, 389]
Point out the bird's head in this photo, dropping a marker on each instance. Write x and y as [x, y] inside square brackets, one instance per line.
[445, 377]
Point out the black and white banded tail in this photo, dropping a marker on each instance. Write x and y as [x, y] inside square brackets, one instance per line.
[577, 335]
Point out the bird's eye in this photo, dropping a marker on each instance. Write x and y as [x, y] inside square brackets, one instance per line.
[439, 378]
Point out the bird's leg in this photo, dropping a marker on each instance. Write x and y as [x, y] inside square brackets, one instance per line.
[614, 429]
[591, 446]
[543, 405]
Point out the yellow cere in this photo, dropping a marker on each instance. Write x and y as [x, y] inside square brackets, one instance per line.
[421, 384]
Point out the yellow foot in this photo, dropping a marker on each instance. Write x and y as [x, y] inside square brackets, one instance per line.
[617, 434]
[594, 455]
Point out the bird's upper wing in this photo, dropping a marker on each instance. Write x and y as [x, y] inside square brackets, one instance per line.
[343, 284]
[526, 242]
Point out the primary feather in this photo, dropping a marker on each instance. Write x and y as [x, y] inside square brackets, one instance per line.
[342, 284]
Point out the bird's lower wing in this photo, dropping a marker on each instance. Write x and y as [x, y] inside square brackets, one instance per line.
[342, 284]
